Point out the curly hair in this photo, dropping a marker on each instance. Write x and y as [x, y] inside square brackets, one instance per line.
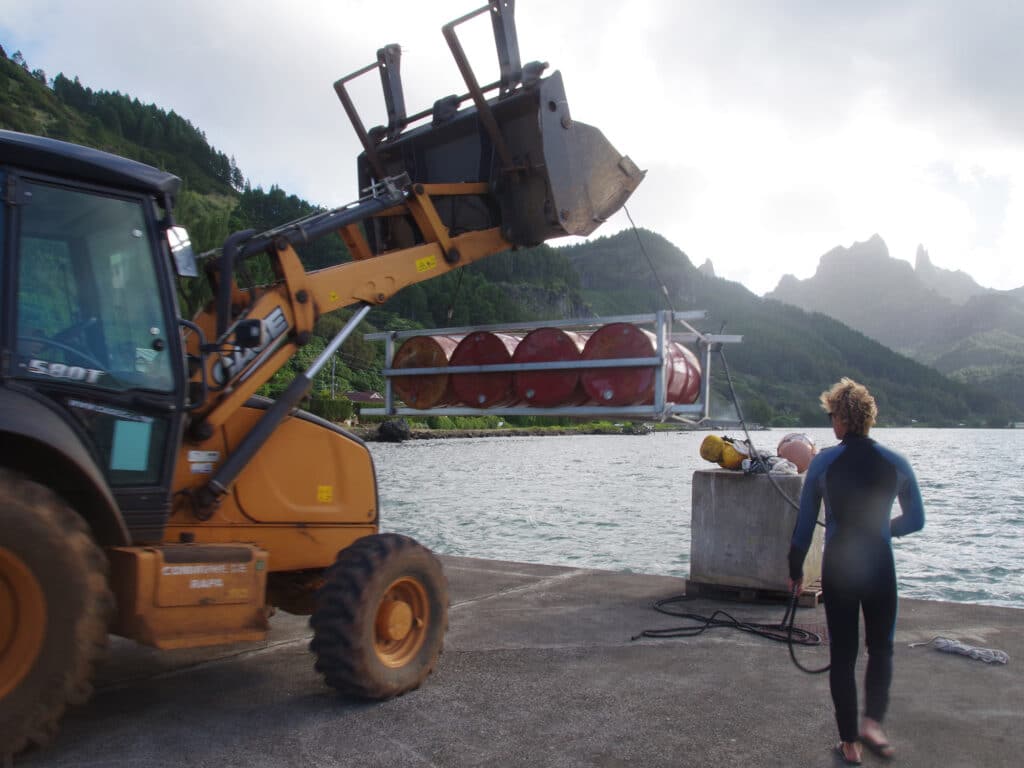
[852, 404]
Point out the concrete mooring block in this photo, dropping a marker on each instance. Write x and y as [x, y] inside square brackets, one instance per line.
[740, 529]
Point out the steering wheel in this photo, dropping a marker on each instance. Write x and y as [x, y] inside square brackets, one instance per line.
[66, 334]
[83, 357]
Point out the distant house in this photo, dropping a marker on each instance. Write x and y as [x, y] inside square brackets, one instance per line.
[362, 400]
[366, 398]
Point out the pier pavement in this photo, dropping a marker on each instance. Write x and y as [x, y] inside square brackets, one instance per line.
[539, 671]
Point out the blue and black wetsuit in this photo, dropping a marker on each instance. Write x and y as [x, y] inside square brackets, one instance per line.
[859, 481]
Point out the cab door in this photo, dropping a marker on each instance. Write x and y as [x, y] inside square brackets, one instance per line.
[95, 331]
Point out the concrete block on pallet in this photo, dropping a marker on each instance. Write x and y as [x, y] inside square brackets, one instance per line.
[740, 529]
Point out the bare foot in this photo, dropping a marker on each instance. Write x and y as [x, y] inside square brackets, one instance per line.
[874, 738]
[850, 752]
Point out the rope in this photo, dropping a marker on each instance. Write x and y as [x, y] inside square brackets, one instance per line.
[657, 277]
[755, 455]
[988, 655]
[454, 298]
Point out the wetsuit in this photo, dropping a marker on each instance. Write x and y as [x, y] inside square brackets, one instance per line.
[859, 481]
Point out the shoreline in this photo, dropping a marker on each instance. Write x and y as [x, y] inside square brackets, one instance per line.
[369, 433]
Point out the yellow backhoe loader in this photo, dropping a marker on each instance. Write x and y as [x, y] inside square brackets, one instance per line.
[145, 489]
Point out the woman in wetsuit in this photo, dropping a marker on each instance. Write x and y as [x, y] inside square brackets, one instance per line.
[859, 480]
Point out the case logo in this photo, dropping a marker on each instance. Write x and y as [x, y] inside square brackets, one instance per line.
[232, 363]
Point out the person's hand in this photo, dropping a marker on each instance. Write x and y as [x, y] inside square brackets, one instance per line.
[796, 586]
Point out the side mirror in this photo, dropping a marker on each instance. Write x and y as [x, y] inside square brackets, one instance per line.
[181, 250]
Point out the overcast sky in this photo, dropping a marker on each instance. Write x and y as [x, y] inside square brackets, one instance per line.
[771, 131]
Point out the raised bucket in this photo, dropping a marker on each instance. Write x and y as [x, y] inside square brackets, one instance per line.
[635, 386]
[431, 390]
[547, 389]
[484, 390]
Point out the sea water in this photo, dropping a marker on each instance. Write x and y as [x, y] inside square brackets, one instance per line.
[622, 502]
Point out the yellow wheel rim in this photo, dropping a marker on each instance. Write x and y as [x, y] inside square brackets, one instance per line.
[22, 620]
[403, 617]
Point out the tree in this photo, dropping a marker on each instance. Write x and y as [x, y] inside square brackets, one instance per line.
[236, 178]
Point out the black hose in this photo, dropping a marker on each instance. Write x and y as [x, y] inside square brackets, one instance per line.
[780, 633]
[784, 632]
[787, 622]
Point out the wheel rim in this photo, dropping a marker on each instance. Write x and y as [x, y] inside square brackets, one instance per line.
[403, 617]
[22, 620]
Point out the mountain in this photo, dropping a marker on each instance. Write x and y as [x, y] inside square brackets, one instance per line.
[787, 358]
[957, 286]
[707, 268]
[865, 288]
[937, 317]
[788, 355]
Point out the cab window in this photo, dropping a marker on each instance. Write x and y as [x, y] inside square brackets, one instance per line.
[88, 301]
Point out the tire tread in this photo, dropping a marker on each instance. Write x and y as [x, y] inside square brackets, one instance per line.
[67, 534]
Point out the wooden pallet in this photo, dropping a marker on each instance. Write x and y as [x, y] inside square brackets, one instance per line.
[810, 597]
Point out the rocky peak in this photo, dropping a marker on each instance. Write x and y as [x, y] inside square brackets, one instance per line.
[921, 260]
[957, 286]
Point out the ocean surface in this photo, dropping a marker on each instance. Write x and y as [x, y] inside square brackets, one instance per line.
[622, 503]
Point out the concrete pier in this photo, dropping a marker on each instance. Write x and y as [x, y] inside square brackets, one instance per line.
[539, 671]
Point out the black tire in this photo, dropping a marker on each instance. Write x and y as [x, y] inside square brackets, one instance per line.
[380, 617]
[55, 605]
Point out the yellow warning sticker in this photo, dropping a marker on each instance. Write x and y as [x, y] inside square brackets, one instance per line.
[333, 295]
[325, 493]
[426, 264]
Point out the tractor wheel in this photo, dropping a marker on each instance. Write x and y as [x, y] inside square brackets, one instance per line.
[54, 609]
[380, 617]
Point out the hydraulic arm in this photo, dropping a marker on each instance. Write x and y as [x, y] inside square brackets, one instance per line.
[484, 175]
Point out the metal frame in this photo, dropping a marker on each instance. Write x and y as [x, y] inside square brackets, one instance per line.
[660, 410]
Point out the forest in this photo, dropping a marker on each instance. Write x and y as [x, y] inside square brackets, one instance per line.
[787, 356]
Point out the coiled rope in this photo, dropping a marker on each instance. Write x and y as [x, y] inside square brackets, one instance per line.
[988, 655]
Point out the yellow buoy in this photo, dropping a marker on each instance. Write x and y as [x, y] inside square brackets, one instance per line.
[732, 456]
[711, 448]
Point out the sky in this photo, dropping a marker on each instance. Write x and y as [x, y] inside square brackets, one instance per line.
[771, 132]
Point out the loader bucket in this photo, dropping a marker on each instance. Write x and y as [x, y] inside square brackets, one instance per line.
[544, 175]
[564, 178]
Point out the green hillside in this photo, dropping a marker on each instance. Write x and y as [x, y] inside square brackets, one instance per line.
[787, 358]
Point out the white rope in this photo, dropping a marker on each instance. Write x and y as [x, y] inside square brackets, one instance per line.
[988, 655]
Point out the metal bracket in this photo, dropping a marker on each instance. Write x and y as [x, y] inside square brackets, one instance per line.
[507, 42]
[389, 59]
[504, 34]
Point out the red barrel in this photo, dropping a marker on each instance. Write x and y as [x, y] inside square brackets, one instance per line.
[635, 386]
[685, 371]
[431, 390]
[484, 390]
[547, 389]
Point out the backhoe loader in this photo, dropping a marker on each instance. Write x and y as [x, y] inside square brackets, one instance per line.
[146, 490]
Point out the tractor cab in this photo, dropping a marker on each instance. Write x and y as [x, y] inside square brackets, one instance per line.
[90, 329]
